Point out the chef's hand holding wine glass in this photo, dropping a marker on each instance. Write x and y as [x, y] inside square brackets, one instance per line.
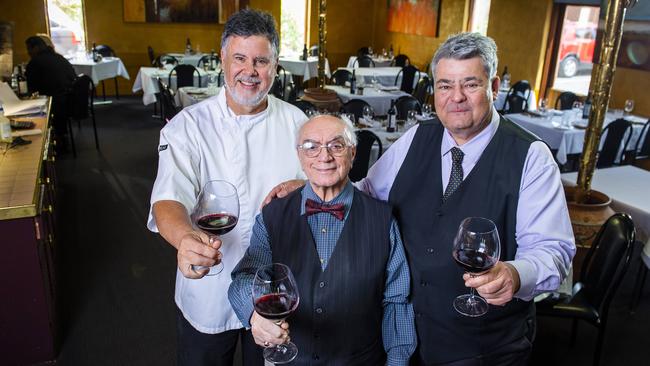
[215, 213]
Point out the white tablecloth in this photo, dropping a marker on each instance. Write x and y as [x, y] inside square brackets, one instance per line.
[627, 186]
[384, 75]
[188, 59]
[379, 61]
[568, 141]
[378, 100]
[107, 68]
[189, 95]
[501, 100]
[146, 81]
[307, 69]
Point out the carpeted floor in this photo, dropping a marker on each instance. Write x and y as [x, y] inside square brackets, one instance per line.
[116, 279]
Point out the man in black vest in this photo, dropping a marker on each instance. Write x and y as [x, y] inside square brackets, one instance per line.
[344, 249]
[470, 161]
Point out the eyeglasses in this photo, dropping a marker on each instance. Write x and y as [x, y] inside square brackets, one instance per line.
[312, 149]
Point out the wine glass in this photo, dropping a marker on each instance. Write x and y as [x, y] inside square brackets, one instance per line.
[275, 295]
[348, 117]
[367, 113]
[543, 105]
[476, 249]
[216, 213]
[411, 119]
[629, 106]
[426, 110]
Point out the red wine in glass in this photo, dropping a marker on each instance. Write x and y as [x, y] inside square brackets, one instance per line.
[476, 249]
[216, 213]
[217, 224]
[275, 295]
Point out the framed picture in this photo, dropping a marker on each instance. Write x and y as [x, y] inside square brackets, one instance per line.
[181, 11]
[419, 17]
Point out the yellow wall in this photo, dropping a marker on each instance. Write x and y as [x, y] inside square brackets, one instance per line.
[520, 30]
[631, 84]
[28, 17]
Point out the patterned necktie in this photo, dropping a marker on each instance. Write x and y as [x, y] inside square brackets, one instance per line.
[456, 176]
[313, 207]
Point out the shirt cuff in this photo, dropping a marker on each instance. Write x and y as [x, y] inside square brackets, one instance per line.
[527, 279]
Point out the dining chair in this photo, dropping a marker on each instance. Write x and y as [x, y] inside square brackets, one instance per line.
[642, 148]
[603, 269]
[404, 104]
[163, 60]
[304, 105]
[313, 50]
[152, 57]
[522, 90]
[81, 106]
[107, 51]
[423, 90]
[365, 140]
[363, 61]
[614, 134]
[340, 76]
[515, 103]
[400, 60]
[565, 101]
[355, 106]
[363, 51]
[184, 75]
[408, 74]
[168, 107]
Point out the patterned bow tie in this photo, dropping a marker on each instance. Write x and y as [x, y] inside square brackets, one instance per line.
[313, 207]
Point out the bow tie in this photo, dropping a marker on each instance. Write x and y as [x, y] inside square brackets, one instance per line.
[313, 207]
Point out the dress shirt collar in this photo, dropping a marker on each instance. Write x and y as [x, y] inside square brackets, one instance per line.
[344, 197]
[475, 146]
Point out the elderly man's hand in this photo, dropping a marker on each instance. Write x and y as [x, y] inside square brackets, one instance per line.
[199, 249]
[267, 333]
[498, 285]
[283, 189]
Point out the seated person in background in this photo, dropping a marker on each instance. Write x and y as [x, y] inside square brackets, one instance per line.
[49, 73]
[345, 251]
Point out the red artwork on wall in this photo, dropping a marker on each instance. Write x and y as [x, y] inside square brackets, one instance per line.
[419, 17]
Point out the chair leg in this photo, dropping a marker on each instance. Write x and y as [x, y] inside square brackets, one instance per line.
[103, 90]
[638, 286]
[574, 331]
[74, 149]
[117, 91]
[95, 130]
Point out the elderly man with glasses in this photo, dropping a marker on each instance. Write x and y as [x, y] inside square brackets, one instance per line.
[345, 251]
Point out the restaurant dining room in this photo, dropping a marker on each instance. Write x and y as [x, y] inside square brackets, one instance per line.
[151, 152]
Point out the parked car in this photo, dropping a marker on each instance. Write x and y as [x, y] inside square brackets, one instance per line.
[64, 39]
[576, 47]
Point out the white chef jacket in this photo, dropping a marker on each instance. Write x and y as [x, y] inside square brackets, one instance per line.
[207, 141]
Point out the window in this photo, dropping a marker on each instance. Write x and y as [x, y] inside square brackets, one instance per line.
[293, 26]
[479, 16]
[575, 52]
[66, 26]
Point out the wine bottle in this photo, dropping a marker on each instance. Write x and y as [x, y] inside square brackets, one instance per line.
[505, 78]
[586, 108]
[22, 82]
[213, 60]
[14, 80]
[94, 53]
[353, 83]
[304, 52]
[188, 46]
[390, 126]
[390, 51]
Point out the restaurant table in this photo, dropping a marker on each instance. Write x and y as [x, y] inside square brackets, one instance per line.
[189, 95]
[146, 81]
[379, 61]
[627, 186]
[384, 75]
[379, 100]
[191, 59]
[500, 102]
[306, 69]
[569, 140]
[106, 68]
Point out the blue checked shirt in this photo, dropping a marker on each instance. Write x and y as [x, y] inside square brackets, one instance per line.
[398, 329]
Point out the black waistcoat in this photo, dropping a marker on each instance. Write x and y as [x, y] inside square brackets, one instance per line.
[428, 227]
[338, 320]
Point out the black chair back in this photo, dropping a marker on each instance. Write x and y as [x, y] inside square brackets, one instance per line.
[152, 58]
[408, 74]
[82, 97]
[363, 51]
[168, 108]
[340, 76]
[304, 105]
[642, 149]
[400, 60]
[364, 61]
[184, 75]
[365, 140]
[205, 60]
[565, 101]
[163, 60]
[278, 89]
[607, 261]
[615, 133]
[355, 106]
[406, 103]
[105, 51]
[423, 90]
[313, 50]
[522, 90]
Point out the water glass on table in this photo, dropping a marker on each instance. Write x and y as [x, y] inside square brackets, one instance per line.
[629, 106]
[411, 119]
[426, 110]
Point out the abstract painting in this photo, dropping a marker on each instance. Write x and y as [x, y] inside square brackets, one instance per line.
[181, 11]
[419, 17]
